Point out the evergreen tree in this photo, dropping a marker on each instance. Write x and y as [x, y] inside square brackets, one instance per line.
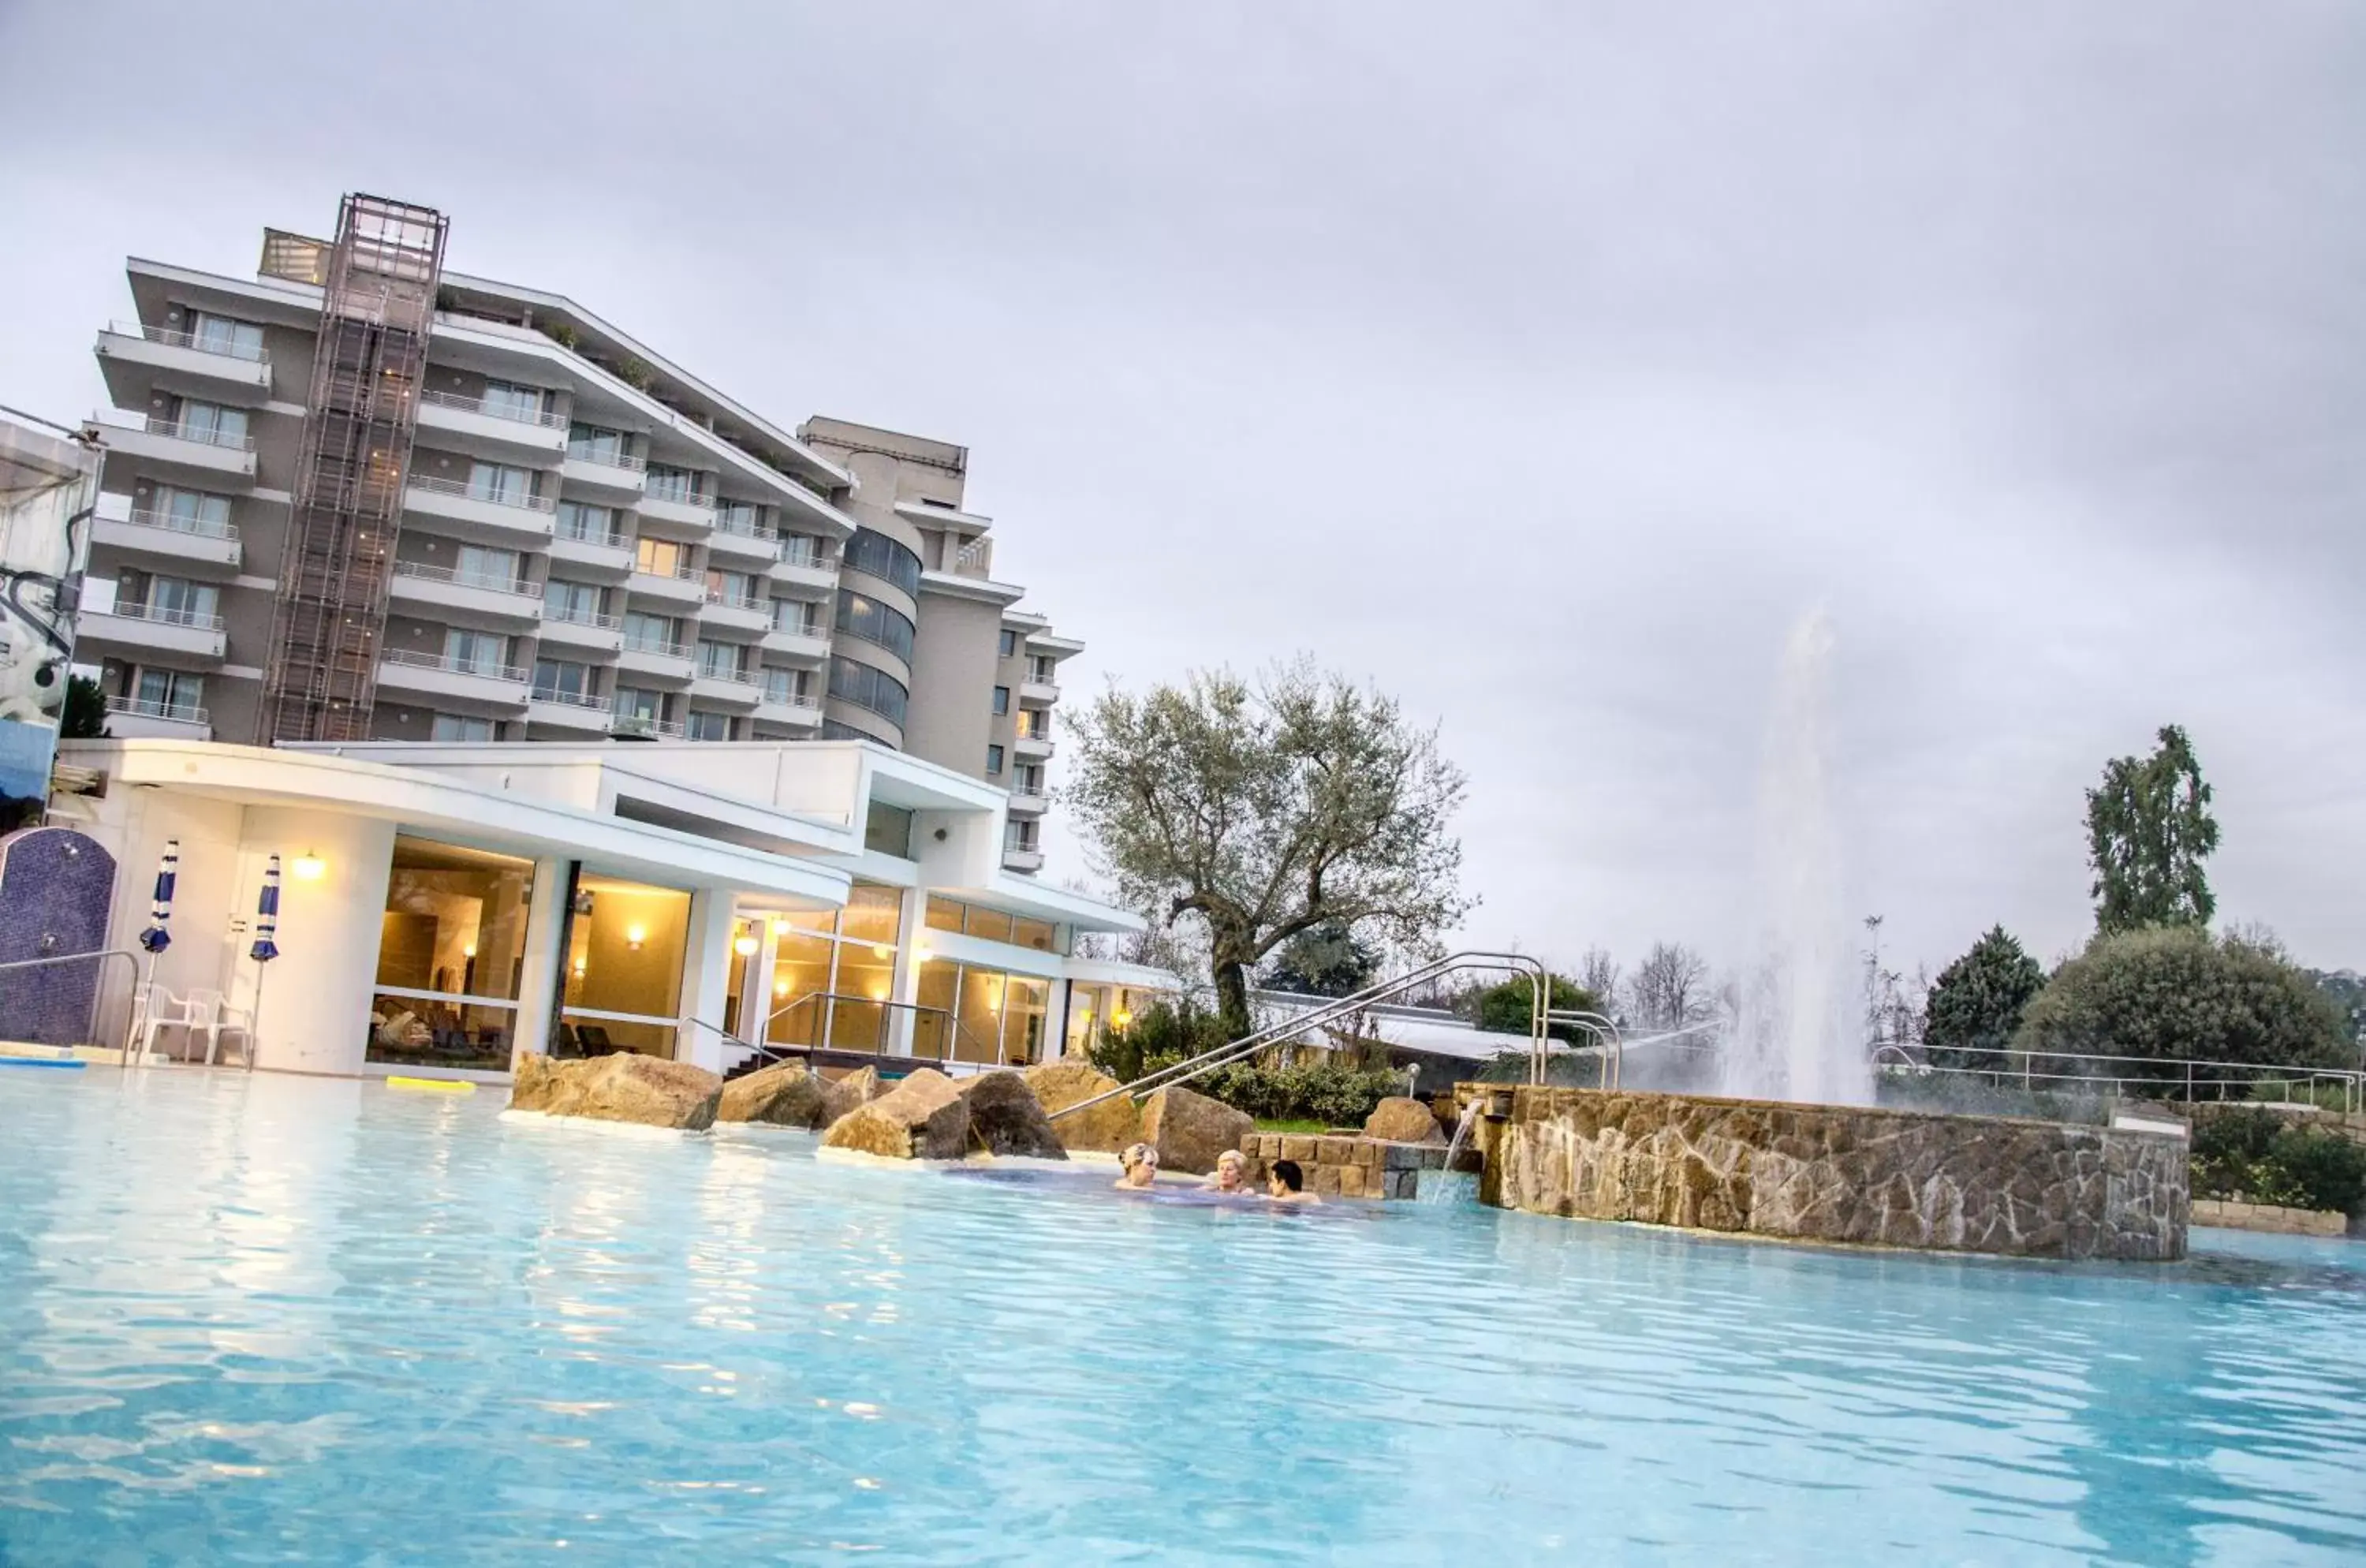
[2148, 831]
[1976, 1005]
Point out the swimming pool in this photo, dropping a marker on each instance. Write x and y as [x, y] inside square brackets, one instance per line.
[271, 1318]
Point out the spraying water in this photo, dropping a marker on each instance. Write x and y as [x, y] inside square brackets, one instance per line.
[1795, 1037]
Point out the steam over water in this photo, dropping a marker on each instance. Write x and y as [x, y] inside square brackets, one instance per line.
[1798, 1035]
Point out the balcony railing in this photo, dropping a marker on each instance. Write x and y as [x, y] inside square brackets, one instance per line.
[738, 601]
[492, 408]
[679, 491]
[572, 699]
[452, 664]
[626, 723]
[650, 645]
[205, 436]
[613, 539]
[486, 581]
[523, 500]
[800, 628]
[806, 554]
[179, 713]
[173, 336]
[166, 616]
[681, 571]
[735, 677]
[785, 697]
[179, 523]
[570, 615]
[582, 452]
[741, 525]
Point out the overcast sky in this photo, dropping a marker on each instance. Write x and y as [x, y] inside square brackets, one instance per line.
[1542, 364]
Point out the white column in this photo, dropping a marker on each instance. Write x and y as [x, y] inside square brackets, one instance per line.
[911, 928]
[315, 997]
[540, 972]
[756, 1002]
[707, 976]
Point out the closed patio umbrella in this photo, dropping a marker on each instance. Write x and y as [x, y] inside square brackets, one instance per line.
[159, 934]
[265, 948]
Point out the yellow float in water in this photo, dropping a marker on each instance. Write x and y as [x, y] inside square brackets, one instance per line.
[438, 1086]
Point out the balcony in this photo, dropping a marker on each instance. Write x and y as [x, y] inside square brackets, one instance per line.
[191, 543]
[736, 616]
[805, 568]
[677, 509]
[1038, 693]
[683, 585]
[641, 727]
[1025, 802]
[488, 428]
[467, 598]
[176, 448]
[459, 509]
[137, 361]
[670, 662]
[616, 476]
[608, 555]
[798, 642]
[1031, 745]
[753, 544]
[727, 689]
[583, 630]
[447, 679]
[128, 719]
[1026, 860]
[187, 636]
[791, 713]
[576, 712]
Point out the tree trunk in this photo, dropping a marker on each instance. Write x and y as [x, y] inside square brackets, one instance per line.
[1232, 995]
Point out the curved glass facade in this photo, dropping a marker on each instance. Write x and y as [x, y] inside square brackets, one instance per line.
[884, 559]
[867, 687]
[861, 615]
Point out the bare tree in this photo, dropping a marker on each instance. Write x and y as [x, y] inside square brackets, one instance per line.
[1670, 987]
[1598, 972]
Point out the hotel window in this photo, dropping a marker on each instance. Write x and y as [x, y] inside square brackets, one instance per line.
[661, 557]
[192, 512]
[476, 653]
[170, 694]
[175, 601]
[1010, 642]
[704, 726]
[625, 942]
[869, 688]
[675, 484]
[593, 524]
[220, 334]
[484, 568]
[976, 1014]
[734, 588]
[797, 617]
[560, 680]
[500, 483]
[832, 730]
[651, 633]
[720, 659]
[861, 615]
[738, 516]
[212, 423]
[1035, 724]
[638, 703]
[992, 761]
[451, 951]
[1042, 670]
[873, 552]
[788, 687]
[575, 601]
[888, 830]
[834, 971]
[592, 445]
[511, 401]
[1002, 699]
[801, 549]
[460, 727]
[1019, 838]
[1027, 779]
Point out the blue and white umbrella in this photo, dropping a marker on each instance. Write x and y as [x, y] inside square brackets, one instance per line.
[159, 934]
[267, 916]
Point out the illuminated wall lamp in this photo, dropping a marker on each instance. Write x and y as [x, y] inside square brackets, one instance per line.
[310, 867]
[635, 936]
[745, 946]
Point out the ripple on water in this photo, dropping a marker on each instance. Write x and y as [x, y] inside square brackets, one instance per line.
[245, 1319]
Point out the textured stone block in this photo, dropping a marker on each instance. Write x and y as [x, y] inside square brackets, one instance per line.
[1326, 1180]
[1299, 1147]
[1334, 1151]
[1351, 1182]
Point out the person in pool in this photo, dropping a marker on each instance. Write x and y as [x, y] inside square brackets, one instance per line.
[1285, 1183]
[1232, 1175]
[1141, 1165]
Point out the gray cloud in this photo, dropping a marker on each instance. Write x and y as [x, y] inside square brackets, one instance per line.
[1543, 365]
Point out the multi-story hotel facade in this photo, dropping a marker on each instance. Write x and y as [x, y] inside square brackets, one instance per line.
[359, 497]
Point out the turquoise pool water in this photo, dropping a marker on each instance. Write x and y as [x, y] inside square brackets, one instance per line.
[277, 1319]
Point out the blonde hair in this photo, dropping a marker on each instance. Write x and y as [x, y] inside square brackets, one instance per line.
[1233, 1157]
[1137, 1154]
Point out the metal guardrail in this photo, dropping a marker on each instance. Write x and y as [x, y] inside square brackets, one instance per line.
[491, 410]
[520, 501]
[2149, 1077]
[176, 523]
[162, 615]
[142, 707]
[90, 1023]
[576, 452]
[174, 337]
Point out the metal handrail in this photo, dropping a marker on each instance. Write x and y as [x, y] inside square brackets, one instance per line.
[721, 600]
[1603, 1029]
[572, 699]
[90, 1024]
[679, 494]
[2167, 1074]
[513, 674]
[177, 523]
[1207, 1061]
[613, 539]
[165, 614]
[516, 587]
[147, 707]
[621, 459]
[676, 650]
[683, 573]
[726, 522]
[574, 617]
[434, 485]
[174, 337]
[543, 417]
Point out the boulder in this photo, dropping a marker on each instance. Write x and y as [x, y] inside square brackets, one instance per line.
[1106, 1128]
[627, 1087]
[924, 1117]
[792, 1095]
[1402, 1121]
[1191, 1130]
[1005, 1118]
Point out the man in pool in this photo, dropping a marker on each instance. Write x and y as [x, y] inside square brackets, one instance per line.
[1285, 1183]
[1141, 1166]
[1232, 1175]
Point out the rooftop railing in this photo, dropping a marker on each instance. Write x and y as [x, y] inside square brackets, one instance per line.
[253, 353]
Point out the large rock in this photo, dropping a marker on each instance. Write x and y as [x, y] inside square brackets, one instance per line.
[1005, 1118]
[793, 1095]
[1106, 1128]
[1400, 1121]
[1191, 1130]
[924, 1117]
[627, 1087]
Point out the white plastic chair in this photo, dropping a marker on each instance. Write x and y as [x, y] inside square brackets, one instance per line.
[199, 1013]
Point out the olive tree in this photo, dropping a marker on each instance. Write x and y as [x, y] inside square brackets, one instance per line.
[1264, 810]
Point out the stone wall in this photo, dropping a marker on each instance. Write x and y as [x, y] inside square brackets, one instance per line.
[2269, 1217]
[1342, 1166]
[1836, 1173]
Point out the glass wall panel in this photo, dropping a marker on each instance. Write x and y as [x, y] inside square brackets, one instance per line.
[988, 925]
[944, 914]
[452, 939]
[1036, 934]
[1025, 1001]
[872, 914]
[800, 984]
[977, 1017]
[932, 1026]
[625, 958]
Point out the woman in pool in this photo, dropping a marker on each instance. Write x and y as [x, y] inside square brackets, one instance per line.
[1232, 1175]
[1141, 1164]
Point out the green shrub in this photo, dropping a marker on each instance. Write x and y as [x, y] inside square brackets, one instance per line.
[1503, 1008]
[2326, 1169]
[2244, 1152]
